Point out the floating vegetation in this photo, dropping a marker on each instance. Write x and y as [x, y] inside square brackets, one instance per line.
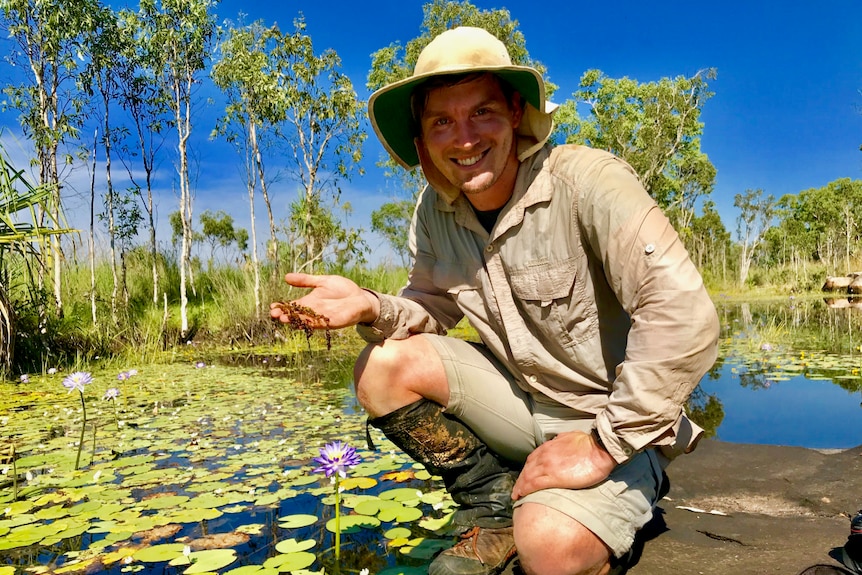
[203, 470]
[302, 318]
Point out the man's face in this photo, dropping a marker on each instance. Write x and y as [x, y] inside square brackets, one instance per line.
[468, 131]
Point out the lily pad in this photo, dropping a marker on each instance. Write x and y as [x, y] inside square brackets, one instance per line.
[291, 561]
[353, 523]
[294, 546]
[157, 553]
[205, 561]
[298, 520]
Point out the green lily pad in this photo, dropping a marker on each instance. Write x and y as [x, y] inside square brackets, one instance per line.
[205, 561]
[400, 514]
[291, 561]
[294, 546]
[353, 523]
[397, 532]
[298, 520]
[402, 494]
[251, 570]
[158, 553]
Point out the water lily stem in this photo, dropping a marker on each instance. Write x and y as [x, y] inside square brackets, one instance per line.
[14, 473]
[337, 522]
[83, 428]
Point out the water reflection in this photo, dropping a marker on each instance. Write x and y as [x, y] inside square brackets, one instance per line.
[788, 373]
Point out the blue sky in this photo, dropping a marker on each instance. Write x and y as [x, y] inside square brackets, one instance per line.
[786, 115]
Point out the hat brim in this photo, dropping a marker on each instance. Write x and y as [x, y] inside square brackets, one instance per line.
[389, 108]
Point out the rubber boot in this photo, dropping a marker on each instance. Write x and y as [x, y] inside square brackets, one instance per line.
[475, 478]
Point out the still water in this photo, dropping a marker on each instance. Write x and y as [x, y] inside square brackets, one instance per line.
[789, 373]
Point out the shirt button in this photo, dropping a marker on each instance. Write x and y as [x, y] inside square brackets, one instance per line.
[533, 379]
[489, 248]
[650, 248]
[627, 450]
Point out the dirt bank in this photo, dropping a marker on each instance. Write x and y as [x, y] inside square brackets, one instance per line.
[775, 510]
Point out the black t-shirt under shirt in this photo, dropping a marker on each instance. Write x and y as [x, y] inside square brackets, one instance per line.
[488, 217]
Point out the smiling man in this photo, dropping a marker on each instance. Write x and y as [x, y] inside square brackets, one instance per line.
[553, 433]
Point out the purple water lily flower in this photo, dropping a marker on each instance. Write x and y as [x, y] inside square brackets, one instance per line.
[123, 376]
[200, 365]
[77, 380]
[24, 378]
[112, 393]
[336, 457]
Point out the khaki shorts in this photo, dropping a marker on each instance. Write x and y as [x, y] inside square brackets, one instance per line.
[513, 422]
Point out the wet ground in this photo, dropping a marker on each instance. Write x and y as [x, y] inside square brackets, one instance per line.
[763, 509]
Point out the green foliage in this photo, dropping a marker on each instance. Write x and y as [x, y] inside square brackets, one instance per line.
[392, 220]
[755, 217]
[396, 62]
[218, 230]
[323, 117]
[654, 126]
[823, 224]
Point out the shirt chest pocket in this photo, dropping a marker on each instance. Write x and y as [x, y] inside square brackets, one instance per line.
[553, 298]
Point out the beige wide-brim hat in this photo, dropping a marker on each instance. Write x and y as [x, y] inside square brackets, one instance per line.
[459, 51]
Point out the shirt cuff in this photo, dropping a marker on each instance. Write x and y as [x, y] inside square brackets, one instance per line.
[616, 447]
[382, 327]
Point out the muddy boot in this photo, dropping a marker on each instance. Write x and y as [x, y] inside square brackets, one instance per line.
[475, 477]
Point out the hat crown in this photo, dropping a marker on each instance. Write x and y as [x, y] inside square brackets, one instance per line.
[462, 48]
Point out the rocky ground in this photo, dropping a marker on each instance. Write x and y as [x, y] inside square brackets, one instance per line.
[752, 509]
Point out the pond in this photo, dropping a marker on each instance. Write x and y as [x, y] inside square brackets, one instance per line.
[206, 464]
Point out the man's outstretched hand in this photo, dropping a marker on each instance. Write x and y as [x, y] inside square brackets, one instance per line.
[336, 298]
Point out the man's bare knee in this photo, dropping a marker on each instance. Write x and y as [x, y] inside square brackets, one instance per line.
[395, 373]
[551, 543]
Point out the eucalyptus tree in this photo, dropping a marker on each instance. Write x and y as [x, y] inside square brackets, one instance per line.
[322, 131]
[100, 79]
[47, 36]
[246, 73]
[823, 223]
[183, 31]
[146, 105]
[396, 62]
[710, 244]
[654, 126]
[756, 213]
[218, 230]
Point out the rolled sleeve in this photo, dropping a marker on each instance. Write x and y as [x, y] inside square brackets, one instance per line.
[673, 338]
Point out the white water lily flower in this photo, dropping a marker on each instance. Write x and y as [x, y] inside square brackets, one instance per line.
[97, 475]
[187, 550]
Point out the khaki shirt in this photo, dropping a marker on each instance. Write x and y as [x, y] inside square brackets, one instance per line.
[583, 290]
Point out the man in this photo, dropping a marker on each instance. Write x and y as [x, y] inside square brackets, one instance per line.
[553, 434]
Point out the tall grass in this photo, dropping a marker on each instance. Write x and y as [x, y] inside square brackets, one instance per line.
[221, 311]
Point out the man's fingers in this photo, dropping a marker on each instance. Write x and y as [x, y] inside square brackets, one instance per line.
[302, 280]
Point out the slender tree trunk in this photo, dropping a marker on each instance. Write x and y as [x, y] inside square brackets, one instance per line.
[109, 206]
[252, 132]
[183, 112]
[92, 237]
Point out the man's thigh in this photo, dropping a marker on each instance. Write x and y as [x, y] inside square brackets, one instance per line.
[485, 396]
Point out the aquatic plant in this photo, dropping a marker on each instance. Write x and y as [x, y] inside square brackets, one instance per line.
[111, 395]
[77, 381]
[335, 458]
